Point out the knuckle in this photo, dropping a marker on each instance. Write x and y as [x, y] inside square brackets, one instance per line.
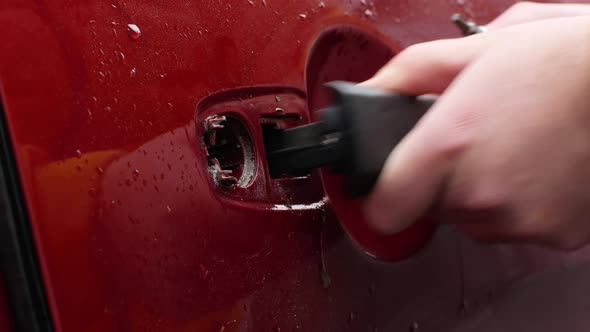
[481, 197]
[412, 49]
[418, 51]
[432, 56]
[522, 7]
[570, 242]
[554, 228]
[536, 224]
[485, 235]
[569, 237]
[453, 145]
[408, 56]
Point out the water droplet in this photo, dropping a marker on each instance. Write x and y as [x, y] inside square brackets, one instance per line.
[79, 153]
[303, 16]
[101, 76]
[203, 272]
[170, 106]
[414, 327]
[136, 172]
[364, 2]
[101, 51]
[368, 12]
[132, 73]
[134, 31]
[92, 21]
[324, 276]
[107, 109]
[122, 56]
[99, 170]
[322, 4]
[251, 2]
[114, 6]
[264, 3]
[351, 317]
[168, 208]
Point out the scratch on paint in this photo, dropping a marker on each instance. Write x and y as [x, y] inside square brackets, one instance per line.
[299, 207]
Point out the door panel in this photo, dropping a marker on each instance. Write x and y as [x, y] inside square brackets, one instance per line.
[131, 230]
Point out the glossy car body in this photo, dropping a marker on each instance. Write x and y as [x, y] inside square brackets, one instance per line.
[122, 227]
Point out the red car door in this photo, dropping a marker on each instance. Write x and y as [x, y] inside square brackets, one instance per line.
[136, 196]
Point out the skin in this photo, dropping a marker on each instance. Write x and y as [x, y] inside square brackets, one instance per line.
[504, 154]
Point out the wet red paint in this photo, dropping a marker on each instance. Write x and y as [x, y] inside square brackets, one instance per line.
[131, 233]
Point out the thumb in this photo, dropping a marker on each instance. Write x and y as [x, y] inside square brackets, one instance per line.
[428, 68]
[414, 174]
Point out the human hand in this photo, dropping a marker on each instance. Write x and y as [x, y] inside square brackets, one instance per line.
[505, 151]
[525, 11]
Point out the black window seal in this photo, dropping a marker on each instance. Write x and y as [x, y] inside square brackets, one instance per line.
[19, 266]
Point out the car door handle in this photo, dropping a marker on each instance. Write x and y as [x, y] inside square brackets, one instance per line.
[354, 135]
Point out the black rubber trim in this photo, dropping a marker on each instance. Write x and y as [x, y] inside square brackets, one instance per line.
[18, 260]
